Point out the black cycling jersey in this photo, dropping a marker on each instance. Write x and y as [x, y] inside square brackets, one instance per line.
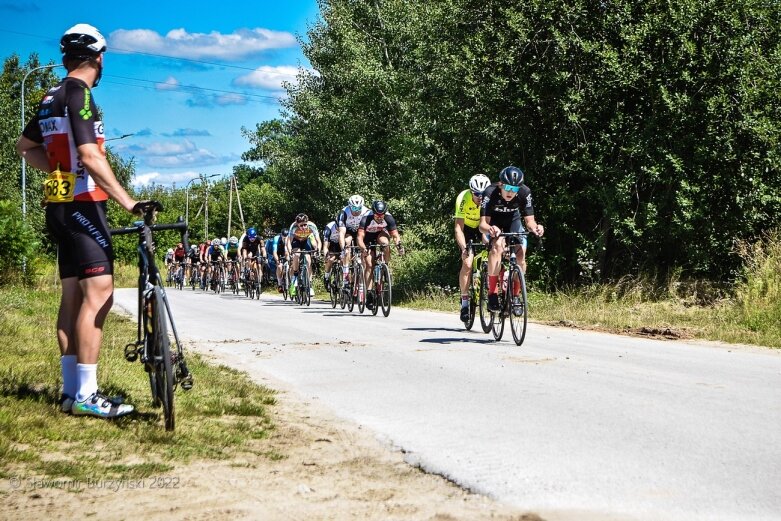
[495, 206]
[372, 227]
[250, 246]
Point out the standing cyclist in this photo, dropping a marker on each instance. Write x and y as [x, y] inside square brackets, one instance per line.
[65, 139]
[466, 231]
[500, 213]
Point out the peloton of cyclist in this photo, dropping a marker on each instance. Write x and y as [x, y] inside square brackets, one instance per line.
[331, 250]
[301, 231]
[348, 222]
[466, 230]
[278, 253]
[377, 227]
[500, 212]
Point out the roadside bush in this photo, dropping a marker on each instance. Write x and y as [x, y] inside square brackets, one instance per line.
[759, 295]
[21, 245]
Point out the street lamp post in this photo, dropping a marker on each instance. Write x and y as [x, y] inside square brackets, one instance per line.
[24, 163]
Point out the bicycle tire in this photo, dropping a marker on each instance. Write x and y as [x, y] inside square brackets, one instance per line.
[498, 317]
[360, 293]
[161, 359]
[518, 312]
[333, 286]
[386, 290]
[486, 318]
[303, 277]
[285, 283]
[472, 304]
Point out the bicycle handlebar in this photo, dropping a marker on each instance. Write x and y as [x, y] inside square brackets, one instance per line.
[149, 209]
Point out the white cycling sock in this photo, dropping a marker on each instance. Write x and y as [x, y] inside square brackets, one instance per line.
[70, 376]
[88, 381]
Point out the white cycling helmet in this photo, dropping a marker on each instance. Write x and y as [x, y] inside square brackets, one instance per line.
[193, 246]
[234, 240]
[82, 40]
[355, 202]
[216, 242]
[170, 251]
[223, 241]
[478, 183]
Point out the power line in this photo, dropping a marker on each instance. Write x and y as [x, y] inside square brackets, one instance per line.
[268, 100]
[193, 87]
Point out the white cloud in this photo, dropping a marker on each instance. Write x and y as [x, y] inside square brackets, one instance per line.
[144, 179]
[267, 77]
[230, 99]
[181, 44]
[179, 178]
[170, 83]
[175, 154]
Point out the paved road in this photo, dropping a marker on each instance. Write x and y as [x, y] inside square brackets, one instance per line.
[573, 425]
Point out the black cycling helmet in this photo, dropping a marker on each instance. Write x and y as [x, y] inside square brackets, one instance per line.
[302, 218]
[285, 232]
[511, 175]
[379, 207]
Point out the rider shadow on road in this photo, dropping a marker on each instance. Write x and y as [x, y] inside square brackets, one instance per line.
[453, 340]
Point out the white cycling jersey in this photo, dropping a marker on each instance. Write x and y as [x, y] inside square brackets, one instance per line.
[350, 221]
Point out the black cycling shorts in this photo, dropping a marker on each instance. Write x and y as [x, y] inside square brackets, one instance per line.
[333, 247]
[305, 245]
[80, 231]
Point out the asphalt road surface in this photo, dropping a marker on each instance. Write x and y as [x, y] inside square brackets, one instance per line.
[572, 425]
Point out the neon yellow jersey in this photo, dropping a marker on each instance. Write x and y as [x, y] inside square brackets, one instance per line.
[467, 210]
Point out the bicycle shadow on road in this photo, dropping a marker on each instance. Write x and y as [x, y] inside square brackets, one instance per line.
[457, 340]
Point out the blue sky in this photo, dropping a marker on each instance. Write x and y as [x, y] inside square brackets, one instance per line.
[182, 77]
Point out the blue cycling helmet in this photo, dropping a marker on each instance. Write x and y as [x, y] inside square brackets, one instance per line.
[252, 233]
[511, 175]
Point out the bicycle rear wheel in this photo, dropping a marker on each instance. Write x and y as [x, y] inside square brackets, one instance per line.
[517, 305]
[486, 318]
[384, 293]
[285, 283]
[333, 284]
[161, 359]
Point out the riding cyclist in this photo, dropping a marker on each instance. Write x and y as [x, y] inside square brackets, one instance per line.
[301, 231]
[377, 227]
[278, 253]
[500, 212]
[331, 250]
[466, 231]
[252, 248]
[348, 222]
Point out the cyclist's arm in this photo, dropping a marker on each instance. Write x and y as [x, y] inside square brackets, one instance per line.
[100, 171]
[34, 153]
[532, 226]
[359, 238]
[486, 227]
[458, 231]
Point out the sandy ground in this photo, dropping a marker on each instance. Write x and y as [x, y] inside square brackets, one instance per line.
[332, 470]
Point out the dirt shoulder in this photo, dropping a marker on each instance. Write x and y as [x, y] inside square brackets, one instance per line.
[329, 469]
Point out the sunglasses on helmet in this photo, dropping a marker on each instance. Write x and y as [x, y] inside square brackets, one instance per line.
[511, 188]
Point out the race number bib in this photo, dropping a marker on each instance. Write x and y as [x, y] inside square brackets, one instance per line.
[59, 187]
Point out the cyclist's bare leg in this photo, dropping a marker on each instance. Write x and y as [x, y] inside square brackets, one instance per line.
[463, 275]
[98, 296]
[495, 256]
[70, 303]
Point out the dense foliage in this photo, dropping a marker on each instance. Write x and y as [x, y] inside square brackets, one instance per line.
[649, 131]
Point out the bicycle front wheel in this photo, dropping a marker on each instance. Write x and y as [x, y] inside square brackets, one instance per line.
[472, 288]
[498, 317]
[161, 359]
[305, 285]
[384, 293]
[516, 293]
[486, 318]
[360, 286]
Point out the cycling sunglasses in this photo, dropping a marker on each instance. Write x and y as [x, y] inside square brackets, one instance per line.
[511, 188]
[355, 208]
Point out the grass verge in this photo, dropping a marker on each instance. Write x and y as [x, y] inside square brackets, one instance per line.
[219, 417]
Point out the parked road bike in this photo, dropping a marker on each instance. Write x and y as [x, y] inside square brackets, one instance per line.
[381, 290]
[478, 287]
[512, 293]
[166, 368]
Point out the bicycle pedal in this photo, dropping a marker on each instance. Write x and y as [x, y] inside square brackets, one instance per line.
[186, 382]
[131, 352]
